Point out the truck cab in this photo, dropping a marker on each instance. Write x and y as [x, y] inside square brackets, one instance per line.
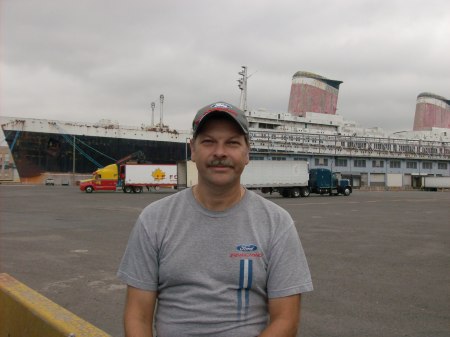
[323, 181]
[104, 179]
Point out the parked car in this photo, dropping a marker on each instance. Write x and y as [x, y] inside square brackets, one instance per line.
[50, 181]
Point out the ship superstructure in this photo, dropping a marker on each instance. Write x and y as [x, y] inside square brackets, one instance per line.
[311, 130]
[331, 135]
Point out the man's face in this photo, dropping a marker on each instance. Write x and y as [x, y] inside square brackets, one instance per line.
[220, 152]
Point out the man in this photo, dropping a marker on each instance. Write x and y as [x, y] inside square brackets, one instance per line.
[221, 260]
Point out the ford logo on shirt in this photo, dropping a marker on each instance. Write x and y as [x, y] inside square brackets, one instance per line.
[246, 248]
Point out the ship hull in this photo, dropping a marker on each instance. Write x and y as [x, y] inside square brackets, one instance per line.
[36, 153]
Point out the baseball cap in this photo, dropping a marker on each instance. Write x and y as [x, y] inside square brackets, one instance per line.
[223, 108]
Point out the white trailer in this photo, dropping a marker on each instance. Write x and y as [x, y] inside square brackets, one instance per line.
[432, 183]
[136, 176]
[289, 178]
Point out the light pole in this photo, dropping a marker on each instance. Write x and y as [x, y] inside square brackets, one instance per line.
[161, 100]
[153, 105]
[243, 87]
[73, 161]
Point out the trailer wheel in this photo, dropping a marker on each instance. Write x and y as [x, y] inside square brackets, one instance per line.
[266, 190]
[305, 192]
[295, 192]
[347, 191]
[137, 189]
[127, 189]
[89, 189]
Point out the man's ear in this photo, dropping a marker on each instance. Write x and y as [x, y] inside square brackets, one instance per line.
[248, 157]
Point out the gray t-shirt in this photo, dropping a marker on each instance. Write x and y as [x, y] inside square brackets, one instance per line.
[214, 270]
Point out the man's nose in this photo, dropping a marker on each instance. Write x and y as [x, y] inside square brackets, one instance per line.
[220, 150]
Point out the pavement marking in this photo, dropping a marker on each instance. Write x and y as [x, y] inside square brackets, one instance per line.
[415, 200]
[62, 284]
[120, 208]
[107, 284]
[362, 202]
[114, 287]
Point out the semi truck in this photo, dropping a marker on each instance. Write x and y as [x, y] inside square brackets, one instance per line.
[288, 178]
[432, 183]
[131, 178]
[131, 174]
[323, 181]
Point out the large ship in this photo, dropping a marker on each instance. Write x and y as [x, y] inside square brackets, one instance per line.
[310, 130]
[41, 146]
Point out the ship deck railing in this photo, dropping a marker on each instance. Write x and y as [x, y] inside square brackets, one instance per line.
[343, 145]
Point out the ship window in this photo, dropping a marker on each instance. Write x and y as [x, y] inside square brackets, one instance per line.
[427, 165]
[341, 162]
[321, 161]
[359, 163]
[394, 164]
[411, 164]
[377, 163]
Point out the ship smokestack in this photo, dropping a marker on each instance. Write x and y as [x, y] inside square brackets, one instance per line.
[313, 93]
[432, 111]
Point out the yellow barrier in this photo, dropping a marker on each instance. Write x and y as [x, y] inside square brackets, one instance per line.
[24, 312]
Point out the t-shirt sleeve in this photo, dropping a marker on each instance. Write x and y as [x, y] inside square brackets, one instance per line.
[288, 271]
[139, 266]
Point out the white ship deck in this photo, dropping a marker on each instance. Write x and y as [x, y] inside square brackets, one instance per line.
[102, 129]
[276, 133]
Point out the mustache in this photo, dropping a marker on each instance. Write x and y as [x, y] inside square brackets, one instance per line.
[220, 162]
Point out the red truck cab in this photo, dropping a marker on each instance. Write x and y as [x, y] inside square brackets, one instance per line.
[104, 179]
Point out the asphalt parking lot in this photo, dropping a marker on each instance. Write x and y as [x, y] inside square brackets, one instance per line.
[380, 261]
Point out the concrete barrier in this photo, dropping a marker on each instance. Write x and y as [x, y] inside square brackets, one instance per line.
[24, 312]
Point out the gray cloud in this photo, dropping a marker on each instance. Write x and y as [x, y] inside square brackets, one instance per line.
[88, 60]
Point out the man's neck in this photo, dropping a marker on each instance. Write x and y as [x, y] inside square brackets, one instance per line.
[218, 199]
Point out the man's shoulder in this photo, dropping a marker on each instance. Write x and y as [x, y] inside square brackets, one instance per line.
[169, 201]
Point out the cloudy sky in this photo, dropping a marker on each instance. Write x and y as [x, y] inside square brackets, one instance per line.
[88, 60]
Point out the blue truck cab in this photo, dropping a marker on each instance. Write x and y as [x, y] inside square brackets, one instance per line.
[323, 181]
